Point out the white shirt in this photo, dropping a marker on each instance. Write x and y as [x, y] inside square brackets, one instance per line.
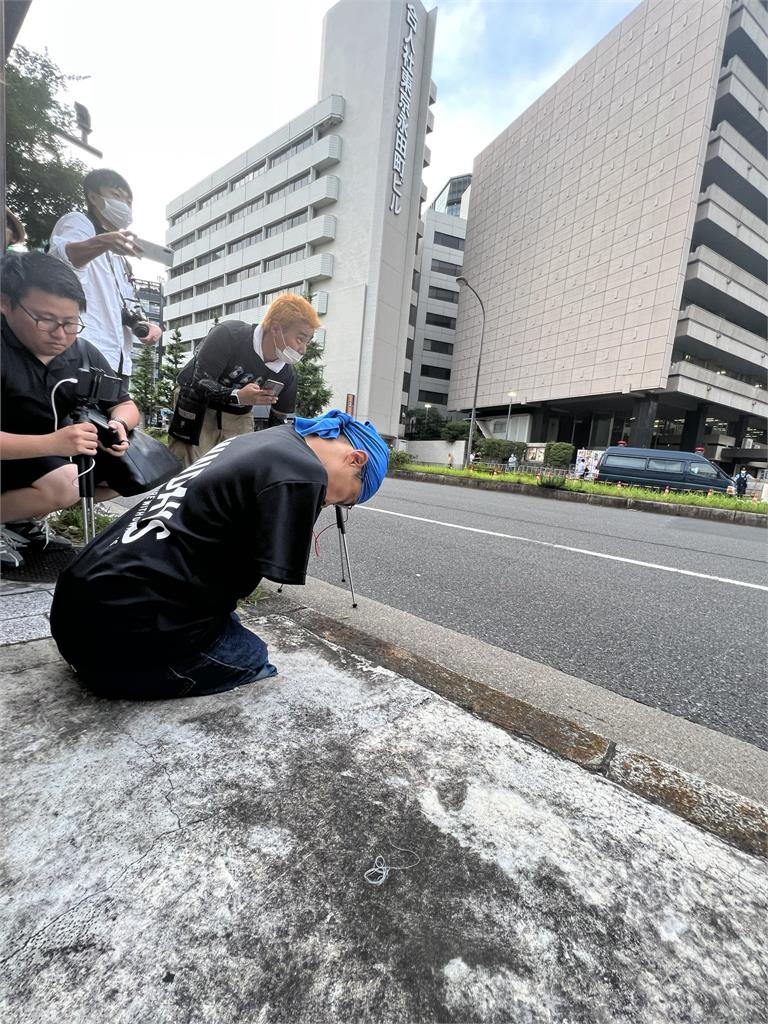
[261, 412]
[102, 318]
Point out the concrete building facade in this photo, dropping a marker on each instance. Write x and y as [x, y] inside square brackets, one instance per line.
[328, 204]
[617, 234]
[439, 263]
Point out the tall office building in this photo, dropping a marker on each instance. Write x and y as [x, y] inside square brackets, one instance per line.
[328, 204]
[618, 237]
[438, 264]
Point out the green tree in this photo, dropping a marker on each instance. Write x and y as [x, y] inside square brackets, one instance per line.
[143, 387]
[313, 393]
[455, 430]
[424, 424]
[174, 357]
[42, 184]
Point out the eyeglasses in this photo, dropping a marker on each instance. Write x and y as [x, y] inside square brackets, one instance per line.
[49, 324]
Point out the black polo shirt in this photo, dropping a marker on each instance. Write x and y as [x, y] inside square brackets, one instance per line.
[226, 361]
[26, 384]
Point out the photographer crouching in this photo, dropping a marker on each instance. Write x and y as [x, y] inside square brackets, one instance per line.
[41, 301]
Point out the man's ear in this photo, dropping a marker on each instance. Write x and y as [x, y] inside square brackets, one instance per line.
[358, 457]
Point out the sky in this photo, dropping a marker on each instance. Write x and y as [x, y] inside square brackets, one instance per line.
[176, 88]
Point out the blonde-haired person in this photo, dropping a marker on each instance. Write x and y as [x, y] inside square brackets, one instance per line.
[234, 363]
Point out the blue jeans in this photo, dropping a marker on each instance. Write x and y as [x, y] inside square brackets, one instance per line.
[235, 658]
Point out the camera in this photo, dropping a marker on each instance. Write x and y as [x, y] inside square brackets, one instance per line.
[135, 319]
[94, 386]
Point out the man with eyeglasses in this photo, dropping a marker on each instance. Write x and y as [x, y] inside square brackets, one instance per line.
[41, 301]
[162, 583]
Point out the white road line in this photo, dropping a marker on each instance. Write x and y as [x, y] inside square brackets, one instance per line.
[565, 547]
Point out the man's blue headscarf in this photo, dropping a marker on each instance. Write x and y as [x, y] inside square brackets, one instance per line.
[363, 436]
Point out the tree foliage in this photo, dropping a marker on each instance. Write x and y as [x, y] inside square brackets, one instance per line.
[42, 184]
[313, 393]
[143, 386]
[174, 357]
[424, 424]
[494, 449]
[455, 430]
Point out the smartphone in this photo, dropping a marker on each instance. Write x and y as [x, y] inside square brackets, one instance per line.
[157, 253]
[275, 386]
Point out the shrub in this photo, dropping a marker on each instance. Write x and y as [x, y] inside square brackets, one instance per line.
[398, 458]
[493, 449]
[455, 430]
[558, 453]
[520, 448]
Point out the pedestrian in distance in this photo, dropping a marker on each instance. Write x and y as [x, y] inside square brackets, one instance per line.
[450, 460]
[161, 585]
[96, 244]
[741, 481]
[512, 463]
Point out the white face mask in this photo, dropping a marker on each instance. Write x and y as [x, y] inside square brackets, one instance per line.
[118, 213]
[289, 355]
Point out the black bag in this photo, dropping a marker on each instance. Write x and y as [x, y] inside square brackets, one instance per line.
[146, 464]
[189, 415]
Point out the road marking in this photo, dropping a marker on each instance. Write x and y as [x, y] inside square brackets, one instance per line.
[565, 547]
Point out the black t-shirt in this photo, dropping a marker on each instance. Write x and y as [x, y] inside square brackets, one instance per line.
[162, 580]
[26, 385]
[226, 361]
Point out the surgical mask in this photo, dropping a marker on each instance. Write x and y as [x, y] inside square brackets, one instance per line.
[116, 212]
[289, 355]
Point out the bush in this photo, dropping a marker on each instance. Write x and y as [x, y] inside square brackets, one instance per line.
[493, 449]
[558, 453]
[398, 458]
[520, 448]
[455, 430]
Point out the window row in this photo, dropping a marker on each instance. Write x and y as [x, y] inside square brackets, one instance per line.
[449, 241]
[262, 298]
[434, 397]
[253, 172]
[438, 320]
[438, 372]
[442, 347]
[442, 267]
[443, 294]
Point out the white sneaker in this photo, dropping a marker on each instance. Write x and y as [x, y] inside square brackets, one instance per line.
[10, 549]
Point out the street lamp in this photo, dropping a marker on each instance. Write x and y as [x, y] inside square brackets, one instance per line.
[427, 406]
[510, 396]
[470, 439]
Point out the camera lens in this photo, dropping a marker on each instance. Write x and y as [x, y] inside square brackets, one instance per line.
[141, 330]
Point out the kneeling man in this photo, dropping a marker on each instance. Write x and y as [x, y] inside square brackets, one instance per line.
[160, 586]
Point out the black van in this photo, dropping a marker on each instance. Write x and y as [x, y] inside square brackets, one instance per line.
[659, 467]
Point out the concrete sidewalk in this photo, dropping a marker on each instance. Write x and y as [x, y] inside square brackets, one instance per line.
[204, 861]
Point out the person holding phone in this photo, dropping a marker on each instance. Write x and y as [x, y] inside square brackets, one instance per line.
[96, 245]
[245, 373]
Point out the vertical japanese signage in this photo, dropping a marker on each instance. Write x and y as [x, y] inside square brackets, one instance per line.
[407, 79]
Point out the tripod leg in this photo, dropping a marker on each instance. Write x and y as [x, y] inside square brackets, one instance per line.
[349, 569]
[341, 553]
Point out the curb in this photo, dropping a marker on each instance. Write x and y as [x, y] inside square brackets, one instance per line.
[722, 515]
[736, 819]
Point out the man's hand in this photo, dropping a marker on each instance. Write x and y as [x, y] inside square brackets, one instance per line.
[155, 334]
[78, 439]
[122, 447]
[122, 242]
[252, 394]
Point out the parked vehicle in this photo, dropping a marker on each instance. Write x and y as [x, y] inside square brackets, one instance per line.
[661, 468]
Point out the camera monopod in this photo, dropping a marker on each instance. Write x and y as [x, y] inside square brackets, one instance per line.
[86, 479]
[93, 386]
[341, 525]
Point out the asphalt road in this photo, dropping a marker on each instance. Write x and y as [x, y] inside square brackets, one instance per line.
[680, 641]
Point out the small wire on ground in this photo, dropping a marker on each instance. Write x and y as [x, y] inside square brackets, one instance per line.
[379, 873]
